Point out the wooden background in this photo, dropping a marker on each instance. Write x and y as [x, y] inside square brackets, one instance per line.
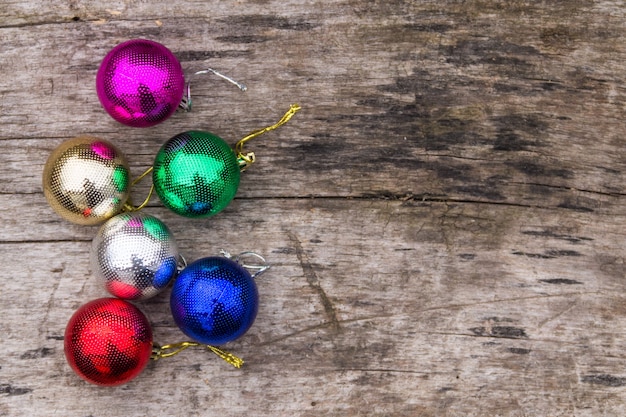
[445, 217]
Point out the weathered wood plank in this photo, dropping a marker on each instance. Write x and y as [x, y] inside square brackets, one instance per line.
[437, 305]
[445, 217]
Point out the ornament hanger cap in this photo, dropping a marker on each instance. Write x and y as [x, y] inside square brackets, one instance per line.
[246, 258]
[186, 102]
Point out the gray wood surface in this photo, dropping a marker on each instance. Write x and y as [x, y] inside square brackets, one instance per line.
[445, 217]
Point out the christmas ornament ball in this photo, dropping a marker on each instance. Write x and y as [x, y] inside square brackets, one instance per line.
[86, 180]
[214, 300]
[108, 341]
[134, 256]
[140, 83]
[196, 174]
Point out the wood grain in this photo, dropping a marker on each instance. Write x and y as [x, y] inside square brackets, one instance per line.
[444, 218]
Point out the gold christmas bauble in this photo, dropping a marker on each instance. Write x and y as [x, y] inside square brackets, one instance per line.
[86, 180]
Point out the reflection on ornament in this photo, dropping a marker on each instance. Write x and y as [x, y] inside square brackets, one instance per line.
[140, 83]
[134, 256]
[196, 174]
[86, 180]
[214, 300]
[108, 341]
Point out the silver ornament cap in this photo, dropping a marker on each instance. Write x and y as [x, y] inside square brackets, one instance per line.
[134, 256]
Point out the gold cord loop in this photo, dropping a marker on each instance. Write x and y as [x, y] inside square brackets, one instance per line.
[247, 159]
[166, 351]
[129, 206]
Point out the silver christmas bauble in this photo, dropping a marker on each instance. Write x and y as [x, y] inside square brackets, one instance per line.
[134, 256]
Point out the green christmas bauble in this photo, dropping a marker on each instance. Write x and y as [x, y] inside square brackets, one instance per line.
[196, 174]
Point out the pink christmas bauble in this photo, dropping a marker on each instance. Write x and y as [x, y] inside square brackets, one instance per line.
[140, 83]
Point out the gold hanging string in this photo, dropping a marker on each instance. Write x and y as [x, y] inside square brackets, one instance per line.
[139, 178]
[128, 206]
[166, 351]
[246, 159]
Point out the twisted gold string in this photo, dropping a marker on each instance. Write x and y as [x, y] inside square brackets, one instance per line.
[166, 351]
[246, 159]
[139, 178]
[128, 206]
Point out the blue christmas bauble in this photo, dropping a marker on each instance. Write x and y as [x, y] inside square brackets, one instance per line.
[214, 300]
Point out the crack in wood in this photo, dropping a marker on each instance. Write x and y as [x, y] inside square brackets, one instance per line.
[550, 254]
[501, 332]
[38, 353]
[520, 351]
[560, 281]
[604, 379]
[559, 236]
[313, 280]
[12, 390]
[395, 371]
[565, 188]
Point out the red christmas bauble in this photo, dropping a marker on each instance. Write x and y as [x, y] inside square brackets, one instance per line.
[108, 341]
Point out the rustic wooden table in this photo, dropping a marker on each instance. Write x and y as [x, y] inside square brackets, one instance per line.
[445, 217]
